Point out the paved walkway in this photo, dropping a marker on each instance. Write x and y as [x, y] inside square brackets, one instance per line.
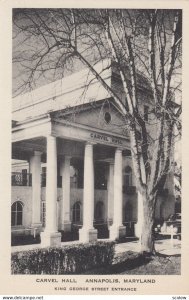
[166, 246]
[38, 246]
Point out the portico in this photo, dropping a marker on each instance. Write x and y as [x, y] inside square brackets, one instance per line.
[54, 149]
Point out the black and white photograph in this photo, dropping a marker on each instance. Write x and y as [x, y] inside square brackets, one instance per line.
[96, 157]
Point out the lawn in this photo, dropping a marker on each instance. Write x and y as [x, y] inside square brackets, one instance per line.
[132, 263]
[156, 265]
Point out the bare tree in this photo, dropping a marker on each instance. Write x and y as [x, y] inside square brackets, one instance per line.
[145, 47]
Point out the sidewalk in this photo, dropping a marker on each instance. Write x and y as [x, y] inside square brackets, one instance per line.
[165, 246]
[38, 246]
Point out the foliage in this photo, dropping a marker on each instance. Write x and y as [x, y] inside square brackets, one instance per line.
[73, 259]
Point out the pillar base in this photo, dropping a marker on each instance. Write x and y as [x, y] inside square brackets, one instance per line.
[50, 239]
[117, 232]
[87, 235]
[66, 226]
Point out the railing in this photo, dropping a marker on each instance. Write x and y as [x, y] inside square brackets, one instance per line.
[32, 230]
[25, 179]
[21, 179]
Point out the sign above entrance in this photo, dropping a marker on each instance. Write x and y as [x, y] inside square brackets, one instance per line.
[105, 138]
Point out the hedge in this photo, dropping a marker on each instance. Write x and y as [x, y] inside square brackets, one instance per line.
[73, 259]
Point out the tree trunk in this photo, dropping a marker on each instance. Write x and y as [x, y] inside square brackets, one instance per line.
[147, 236]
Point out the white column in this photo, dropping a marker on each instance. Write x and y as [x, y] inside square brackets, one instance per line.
[65, 207]
[110, 192]
[117, 230]
[51, 236]
[87, 233]
[35, 170]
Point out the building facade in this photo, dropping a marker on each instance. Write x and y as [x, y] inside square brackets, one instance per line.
[72, 167]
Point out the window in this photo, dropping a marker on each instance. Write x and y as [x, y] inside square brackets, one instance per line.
[128, 176]
[16, 213]
[76, 213]
[146, 112]
[99, 211]
[107, 117]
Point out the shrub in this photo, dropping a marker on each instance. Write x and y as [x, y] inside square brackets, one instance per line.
[127, 260]
[73, 259]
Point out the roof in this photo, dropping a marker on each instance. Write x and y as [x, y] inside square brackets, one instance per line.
[77, 89]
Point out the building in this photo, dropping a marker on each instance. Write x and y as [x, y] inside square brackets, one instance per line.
[72, 167]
